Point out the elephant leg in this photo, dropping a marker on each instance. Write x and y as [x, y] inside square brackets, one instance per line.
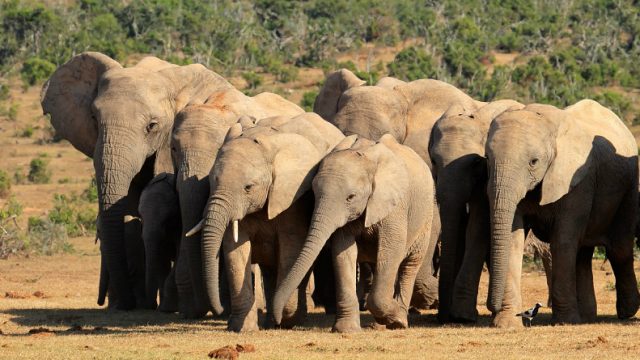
[186, 296]
[425, 291]
[169, 294]
[543, 251]
[295, 310]
[258, 287]
[311, 288]
[136, 260]
[270, 280]
[584, 281]
[391, 253]
[512, 303]
[620, 254]
[465, 290]
[345, 257]
[406, 280]
[244, 314]
[365, 279]
[564, 250]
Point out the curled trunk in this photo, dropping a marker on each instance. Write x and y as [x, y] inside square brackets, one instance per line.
[453, 218]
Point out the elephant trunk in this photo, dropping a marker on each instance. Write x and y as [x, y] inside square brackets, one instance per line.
[217, 217]
[156, 268]
[193, 193]
[320, 229]
[114, 174]
[504, 196]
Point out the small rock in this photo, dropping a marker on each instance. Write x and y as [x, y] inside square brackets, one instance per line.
[246, 348]
[226, 352]
[15, 295]
[39, 294]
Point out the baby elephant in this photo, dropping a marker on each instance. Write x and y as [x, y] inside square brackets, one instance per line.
[376, 201]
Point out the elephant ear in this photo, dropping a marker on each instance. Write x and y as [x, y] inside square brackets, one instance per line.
[295, 160]
[234, 131]
[326, 104]
[346, 143]
[493, 109]
[68, 97]
[390, 181]
[571, 163]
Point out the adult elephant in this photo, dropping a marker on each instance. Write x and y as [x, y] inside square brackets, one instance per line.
[197, 136]
[572, 175]
[122, 118]
[406, 110]
[259, 183]
[456, 148]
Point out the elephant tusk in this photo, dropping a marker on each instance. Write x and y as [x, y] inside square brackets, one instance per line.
[235, 230]
[195, 229]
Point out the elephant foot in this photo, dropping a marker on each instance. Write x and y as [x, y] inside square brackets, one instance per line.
[627, 307]
[465, 313]
[506, 319]
[346, 326]
[572, 317]
[168, 305]
[243, 323]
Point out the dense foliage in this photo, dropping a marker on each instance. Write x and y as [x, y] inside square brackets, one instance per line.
[567, 49]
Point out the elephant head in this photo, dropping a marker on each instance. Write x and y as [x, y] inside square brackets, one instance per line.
[260, 167]
[456, 148]
[543, 153]
[326, 103]
[360, 179]
[122, 118]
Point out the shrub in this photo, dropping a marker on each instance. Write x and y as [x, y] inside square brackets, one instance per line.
[253, 80]
[46, 237]
[70, 212]
[308, 98]
[36, 70]
[12, 113]
[412, 64]
[12, 208]
[27, 132]
[5, 184]
[90, 194]
[38, 171]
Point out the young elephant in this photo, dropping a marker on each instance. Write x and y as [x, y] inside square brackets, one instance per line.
[260, 183]
[379, 196]
[161, 231]
[572, 174]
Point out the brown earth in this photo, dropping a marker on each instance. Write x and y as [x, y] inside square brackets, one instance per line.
[48, 304]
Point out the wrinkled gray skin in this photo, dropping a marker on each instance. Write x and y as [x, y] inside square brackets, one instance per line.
[261, 179]
[456, 148]
[379, 196]
[122, 118]
[198, 134]
[406, 110]
[161, 228]
[572, 175]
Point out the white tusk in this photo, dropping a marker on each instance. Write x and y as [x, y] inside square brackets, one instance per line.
[235, 230]
[195, 229]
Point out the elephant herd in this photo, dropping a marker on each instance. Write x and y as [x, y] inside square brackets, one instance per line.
[207, 196]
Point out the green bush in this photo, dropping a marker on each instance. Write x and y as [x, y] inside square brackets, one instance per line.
[27, 132]
[12, 113]
[5, 184]
[253, 80]
[11, 208]
[46, 237]
[36, 70]
[38, 171]
[411, 64]
[90, 194]
[77, 217]
[308, 99]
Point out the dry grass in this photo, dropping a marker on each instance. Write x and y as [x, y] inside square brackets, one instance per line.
[67, 287]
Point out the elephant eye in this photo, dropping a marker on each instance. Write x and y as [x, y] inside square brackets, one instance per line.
[152, 126]
[351, 197]
[533, 162]
[248, 188]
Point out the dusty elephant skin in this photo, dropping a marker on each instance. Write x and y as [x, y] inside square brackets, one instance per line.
[572, 175]
[122, 118]
[379, 196]
[259, 183]
[160, 213]
[198, 134]
[406, 110]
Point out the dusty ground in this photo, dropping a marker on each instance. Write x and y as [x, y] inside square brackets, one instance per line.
[65, 289]
[58, 293]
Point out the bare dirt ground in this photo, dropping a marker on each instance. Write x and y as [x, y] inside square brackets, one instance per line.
[58, 293]
[54, 297]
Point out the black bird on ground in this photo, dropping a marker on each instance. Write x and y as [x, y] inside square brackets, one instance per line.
[528, 315]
